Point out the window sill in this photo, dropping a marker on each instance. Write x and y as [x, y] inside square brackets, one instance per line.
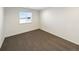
[26, 22]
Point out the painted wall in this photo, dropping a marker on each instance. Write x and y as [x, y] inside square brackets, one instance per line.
[12, 25]
[1, 27]
[63, 22]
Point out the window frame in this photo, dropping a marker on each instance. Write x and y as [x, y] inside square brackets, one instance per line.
[23, 17]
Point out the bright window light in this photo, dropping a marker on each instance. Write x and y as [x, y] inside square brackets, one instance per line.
[25, 17]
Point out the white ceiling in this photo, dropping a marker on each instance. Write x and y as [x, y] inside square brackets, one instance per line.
[37, 8]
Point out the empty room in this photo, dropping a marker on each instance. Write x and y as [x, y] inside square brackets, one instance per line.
[39, 29]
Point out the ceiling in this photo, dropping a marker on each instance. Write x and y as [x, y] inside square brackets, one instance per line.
[37, 8]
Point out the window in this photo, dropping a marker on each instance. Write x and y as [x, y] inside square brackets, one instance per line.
[25, 17]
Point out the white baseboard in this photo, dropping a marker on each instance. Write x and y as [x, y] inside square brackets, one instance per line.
[21, 32]
[61, 37]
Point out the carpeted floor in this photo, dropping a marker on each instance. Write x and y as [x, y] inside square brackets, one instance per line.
[37, 40]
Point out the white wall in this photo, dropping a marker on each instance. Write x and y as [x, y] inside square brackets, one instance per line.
[63, 22]
[1, 27]
[12, 26]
